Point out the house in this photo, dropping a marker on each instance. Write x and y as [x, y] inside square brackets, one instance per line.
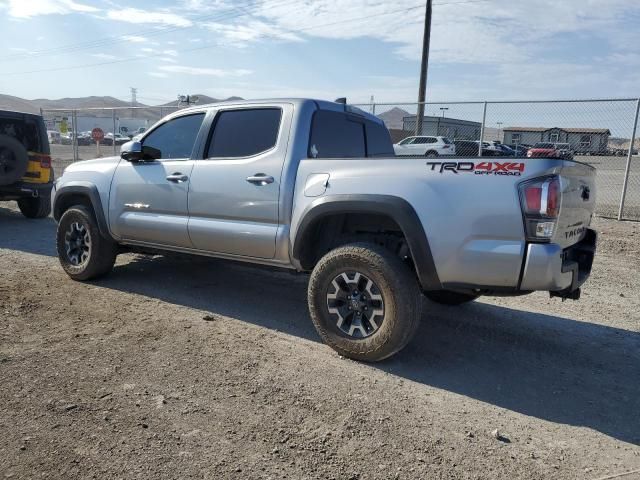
[453, 128]
[582, 140]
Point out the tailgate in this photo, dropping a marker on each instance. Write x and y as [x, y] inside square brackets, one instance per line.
[578, 203]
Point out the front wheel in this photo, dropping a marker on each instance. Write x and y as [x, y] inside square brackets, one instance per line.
[84, 254]
[364, 302]
[432, 154]
[446, 297]
[35, 207]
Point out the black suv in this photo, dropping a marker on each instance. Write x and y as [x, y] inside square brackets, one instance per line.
[25, 163]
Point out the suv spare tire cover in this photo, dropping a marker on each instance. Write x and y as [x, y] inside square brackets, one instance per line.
[14, 160]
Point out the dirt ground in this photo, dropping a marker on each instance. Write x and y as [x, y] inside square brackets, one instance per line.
[175, 367]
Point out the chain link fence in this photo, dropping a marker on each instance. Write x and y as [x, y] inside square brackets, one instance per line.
[597, 132]
[602, 133]
[70, 130]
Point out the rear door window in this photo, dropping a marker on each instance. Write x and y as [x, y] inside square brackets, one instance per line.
[336, 135]
[244, 133]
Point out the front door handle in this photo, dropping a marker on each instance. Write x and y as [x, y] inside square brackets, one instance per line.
[260, 179]
[177, 177]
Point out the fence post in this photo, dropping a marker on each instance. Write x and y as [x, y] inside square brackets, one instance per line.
[484, 119]
[113, 115]
[74, 119]
[373, 109]
[629, 157]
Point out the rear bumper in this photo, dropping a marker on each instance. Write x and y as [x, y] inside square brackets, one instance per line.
[25, 189]
[550, 268]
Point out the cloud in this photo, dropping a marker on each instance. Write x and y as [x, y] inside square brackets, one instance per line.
[134, 38]
[251, 31]
[203, 71]
[158, 74]
[32, 8]
[171, 53]
[104, 56]
[138, 16]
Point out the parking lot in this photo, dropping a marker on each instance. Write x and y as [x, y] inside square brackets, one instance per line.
[177, 367]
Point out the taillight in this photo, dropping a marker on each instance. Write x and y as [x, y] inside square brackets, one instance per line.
[540, 200]
[445, 146]
[45, 161]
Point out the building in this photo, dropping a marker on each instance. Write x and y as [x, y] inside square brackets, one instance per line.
[453, 128]
[582, 140]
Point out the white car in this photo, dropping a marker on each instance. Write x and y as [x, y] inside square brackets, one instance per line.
[425, 146]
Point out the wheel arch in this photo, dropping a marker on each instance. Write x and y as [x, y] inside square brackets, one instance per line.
[395, 208]
[81, 193]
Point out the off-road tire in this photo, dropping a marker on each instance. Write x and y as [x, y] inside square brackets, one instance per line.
[35, 207]
[446, 297]
[103, 251]
[14, 160]
[431, 154]
[396, 283]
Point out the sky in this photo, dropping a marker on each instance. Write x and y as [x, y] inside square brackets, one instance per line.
[480, 49]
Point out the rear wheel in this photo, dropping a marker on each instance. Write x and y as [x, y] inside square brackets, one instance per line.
[35, 207]
[83, 253]
[447, 297]
[431, 154]
[364, 302]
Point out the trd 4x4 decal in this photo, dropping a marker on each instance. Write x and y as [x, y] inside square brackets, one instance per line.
[481, 168]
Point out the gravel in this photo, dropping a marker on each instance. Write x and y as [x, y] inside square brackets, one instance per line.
[196, 368]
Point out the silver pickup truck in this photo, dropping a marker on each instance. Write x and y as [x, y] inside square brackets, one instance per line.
[314, 186]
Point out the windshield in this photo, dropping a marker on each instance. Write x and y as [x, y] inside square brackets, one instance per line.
[544, 145]
[446, 140]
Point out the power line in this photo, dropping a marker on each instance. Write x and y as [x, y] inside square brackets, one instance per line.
[107, 41]
[311, 27]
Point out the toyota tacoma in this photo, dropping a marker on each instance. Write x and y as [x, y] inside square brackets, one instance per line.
[314, 186]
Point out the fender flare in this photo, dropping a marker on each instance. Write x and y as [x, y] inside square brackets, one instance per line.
[396, 208]
[84, 189]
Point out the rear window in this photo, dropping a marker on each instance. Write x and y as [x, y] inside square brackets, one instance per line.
[379, 142]
[446, 140]
[27, 131]
[336, 135]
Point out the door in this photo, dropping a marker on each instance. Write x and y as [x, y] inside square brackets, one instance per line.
[235, 188]
[148, 201]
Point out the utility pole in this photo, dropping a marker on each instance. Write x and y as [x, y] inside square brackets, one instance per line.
[423, 70]
[134, 100]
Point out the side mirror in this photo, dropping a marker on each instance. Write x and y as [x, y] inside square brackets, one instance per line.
[136, 152]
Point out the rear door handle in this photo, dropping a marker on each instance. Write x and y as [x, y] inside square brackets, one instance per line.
[260, 179]
[177, 177]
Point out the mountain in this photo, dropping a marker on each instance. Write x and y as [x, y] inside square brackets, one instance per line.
[9, 102]
[394, 118]
[204, 100]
